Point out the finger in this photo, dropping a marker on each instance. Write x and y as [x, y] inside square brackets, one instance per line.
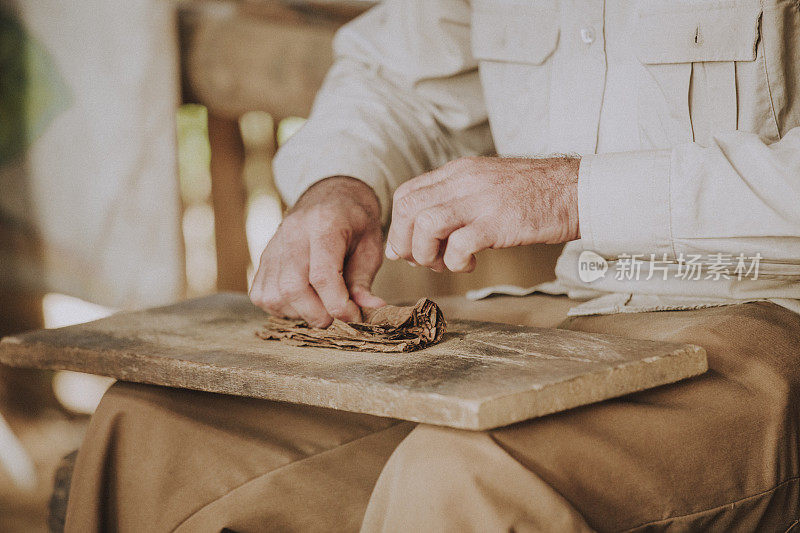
[264, 289]
[431, 227]
[405, 210]
[256, 291]
[265, 267]
[295, 290]
[438, 263]
[276, 304]
[429, 178]
[271, 298]
[423, 180]
[326, 261]
[398, 239]
[464, 243]
[360, 270]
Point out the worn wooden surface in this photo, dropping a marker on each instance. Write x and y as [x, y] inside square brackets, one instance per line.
[482, 375]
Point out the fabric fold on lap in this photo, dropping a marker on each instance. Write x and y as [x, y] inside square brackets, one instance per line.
[720, 451]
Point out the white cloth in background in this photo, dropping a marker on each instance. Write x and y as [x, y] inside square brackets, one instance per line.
[96, 184]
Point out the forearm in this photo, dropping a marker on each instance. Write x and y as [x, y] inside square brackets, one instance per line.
[396, 103]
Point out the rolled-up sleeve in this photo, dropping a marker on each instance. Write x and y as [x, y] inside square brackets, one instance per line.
[739, 195]
[402, 98]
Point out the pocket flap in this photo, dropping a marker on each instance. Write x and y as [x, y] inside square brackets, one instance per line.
[514, 31]
[687, 32]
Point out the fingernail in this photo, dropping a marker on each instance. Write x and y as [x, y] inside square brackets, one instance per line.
[390, 253]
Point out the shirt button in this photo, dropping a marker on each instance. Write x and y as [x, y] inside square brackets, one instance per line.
[587, 35]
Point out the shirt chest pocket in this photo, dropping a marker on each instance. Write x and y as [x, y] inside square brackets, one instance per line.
[514, 41]
[703, 70]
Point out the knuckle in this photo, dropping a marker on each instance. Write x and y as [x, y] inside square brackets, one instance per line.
[401, 191]
[405, 204]
[321, 277]
[277, 249]
[323, 210]
[359, 218]
[285, 293]
[291, 291]
[327, 221]
[267, 300]
[272, 303]
[338, 224]
[428, 221]
[330, 232]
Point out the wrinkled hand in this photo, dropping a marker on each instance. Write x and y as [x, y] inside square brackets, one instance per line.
[442, 218]
[321, 262]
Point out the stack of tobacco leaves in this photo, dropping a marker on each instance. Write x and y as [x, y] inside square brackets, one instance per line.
[384, 329]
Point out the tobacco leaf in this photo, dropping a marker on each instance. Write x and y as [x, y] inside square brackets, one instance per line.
[383, 329]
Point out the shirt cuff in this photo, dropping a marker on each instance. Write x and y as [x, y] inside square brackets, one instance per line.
[624, 203]
[297, 167]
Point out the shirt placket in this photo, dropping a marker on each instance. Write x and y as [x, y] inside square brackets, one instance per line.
[579, 74]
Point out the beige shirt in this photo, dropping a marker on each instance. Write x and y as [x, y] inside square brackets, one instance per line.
[685, 113]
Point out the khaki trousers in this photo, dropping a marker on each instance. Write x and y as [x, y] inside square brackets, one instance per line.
[719, 452]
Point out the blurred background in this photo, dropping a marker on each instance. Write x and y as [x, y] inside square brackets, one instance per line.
[136, 141]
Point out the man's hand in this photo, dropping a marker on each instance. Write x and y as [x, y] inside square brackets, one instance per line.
[442, 218]
[322, 260]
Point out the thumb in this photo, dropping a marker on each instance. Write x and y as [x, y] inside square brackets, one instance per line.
[360, 270]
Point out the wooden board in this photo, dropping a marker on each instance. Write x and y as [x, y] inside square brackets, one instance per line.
[482, 375]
